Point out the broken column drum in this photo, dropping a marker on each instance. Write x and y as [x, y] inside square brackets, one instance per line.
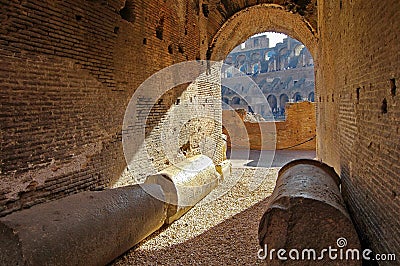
[186, 183]
[88, 228]
[307, 211]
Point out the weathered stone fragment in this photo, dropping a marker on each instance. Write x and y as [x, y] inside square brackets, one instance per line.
[89, 228]
[306, 211]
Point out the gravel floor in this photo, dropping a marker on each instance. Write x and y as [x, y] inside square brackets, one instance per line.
[219, 230]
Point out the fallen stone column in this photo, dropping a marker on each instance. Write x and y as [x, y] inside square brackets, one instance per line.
[89, 228]
[186, 183]
[306, 211]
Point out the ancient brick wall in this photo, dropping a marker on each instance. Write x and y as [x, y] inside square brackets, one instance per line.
[68, 70]
[58, 123]
[184, 122]
[358, 112]
[297, 132]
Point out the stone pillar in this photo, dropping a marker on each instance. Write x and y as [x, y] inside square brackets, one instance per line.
[186, 183]
[306, 211]
[88, 228]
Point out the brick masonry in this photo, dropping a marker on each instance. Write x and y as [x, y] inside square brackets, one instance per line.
[298, 128]
[358, 114]
[68, 69]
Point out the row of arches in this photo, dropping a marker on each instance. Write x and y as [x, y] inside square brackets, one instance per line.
[243, 57]
[272, 99]
[224, 42]
[287, 55]
[276, 105]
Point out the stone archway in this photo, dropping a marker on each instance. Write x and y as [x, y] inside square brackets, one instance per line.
[283, 99]
[235, 100]
[273, 103]
[297, 97]
[257, 19]
[311, 97]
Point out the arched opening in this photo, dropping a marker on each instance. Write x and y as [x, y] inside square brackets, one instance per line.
[298, 49]
[236, 100]
[255, 56]
[257, 19]
[311, 97]
[297, 97]
[278, 89]
[283, 99]
[272, 103]
[267, 101]
[241, 63]
[286, 76]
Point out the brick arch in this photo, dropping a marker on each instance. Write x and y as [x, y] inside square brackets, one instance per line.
[283, 99]
[261, 18]
[272, 101]
[297, 97]
[311, 96]
[236, 100]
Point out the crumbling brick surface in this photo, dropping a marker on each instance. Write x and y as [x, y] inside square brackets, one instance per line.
[68, 71]
[358, 115]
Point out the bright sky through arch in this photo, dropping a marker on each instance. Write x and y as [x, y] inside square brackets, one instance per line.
[274, 37]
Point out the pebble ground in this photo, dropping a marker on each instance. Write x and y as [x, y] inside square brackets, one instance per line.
[220, 230]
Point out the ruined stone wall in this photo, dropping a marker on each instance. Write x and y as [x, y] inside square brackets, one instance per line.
[273, 83]
[358, 112]
[68, 70]
[297, 132]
